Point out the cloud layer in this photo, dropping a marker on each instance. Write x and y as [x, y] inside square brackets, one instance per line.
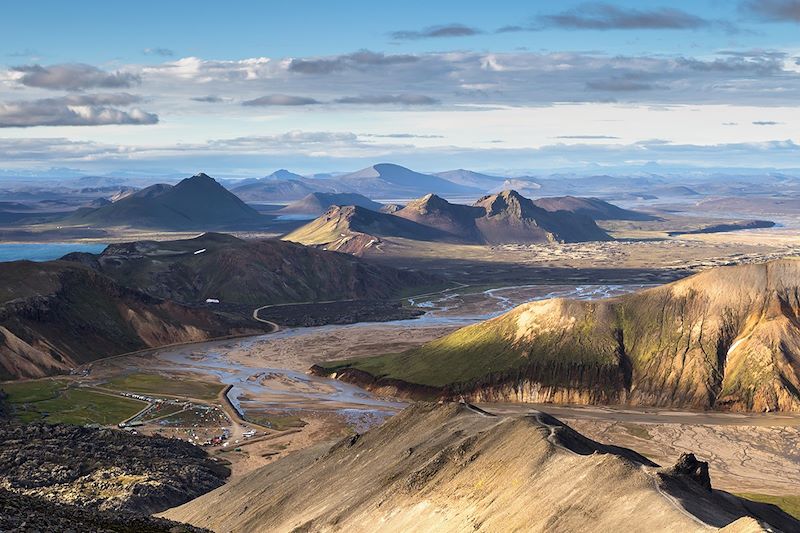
[602, 16]
[74, 110]
[432, 32]
[72, 77]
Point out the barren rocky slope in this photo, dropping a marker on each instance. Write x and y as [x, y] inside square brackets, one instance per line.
[255, 272]
[354, 229]
[454, 468]
[727, 338]
[19, 513]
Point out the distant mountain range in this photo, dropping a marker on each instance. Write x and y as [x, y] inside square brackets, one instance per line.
[383, 180]
[501, 218]
[317, 203]
[198, 202]
[727, 338]
[594, 208]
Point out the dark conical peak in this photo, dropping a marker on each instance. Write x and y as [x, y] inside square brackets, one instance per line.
[430, 201]
[201, 179]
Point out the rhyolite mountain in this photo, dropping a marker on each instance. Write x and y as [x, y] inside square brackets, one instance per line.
[199, 202]
[594, 208]
[318, 202]
[502, 218]
[355, 230]
[511, 218]
[254, 272]
[727, 338]
[453, 467]
[453, 219]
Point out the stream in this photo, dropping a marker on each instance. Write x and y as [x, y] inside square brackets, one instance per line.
[256, 390]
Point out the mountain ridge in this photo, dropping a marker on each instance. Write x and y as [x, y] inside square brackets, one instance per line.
[727, 338]
[454, 467]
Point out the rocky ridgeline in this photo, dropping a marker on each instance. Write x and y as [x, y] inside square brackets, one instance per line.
[104, 469]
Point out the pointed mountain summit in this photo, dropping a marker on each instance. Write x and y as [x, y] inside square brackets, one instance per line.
[436, 212]
[199, 202]
[511, 218]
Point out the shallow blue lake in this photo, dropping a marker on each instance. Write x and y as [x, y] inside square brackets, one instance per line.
[45, 251]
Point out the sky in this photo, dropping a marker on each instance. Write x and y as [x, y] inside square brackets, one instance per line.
[242, 88]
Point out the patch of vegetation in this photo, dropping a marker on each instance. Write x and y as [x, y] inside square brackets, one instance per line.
[478, 352]
[277, 422]
[22, 392]
[637, 431]
[163, 386]
[54, 401]
[789, 504]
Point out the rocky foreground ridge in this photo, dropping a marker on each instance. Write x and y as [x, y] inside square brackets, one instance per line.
[103, 469]
[453, 467]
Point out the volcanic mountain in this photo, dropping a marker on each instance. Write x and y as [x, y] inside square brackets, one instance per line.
[353, 229]
[453, 467]
[283, 186]
[196, 202]
[594, 208]
[511, 218]
[436, 212]
[391, 181]
[232, 270]
[727, 338]
[273, 191]
[318, 202]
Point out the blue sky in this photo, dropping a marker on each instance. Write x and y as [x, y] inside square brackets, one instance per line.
[240, 88]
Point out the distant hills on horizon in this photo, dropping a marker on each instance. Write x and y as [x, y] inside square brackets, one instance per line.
[201, 202]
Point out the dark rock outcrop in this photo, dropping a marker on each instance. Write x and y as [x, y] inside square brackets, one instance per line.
[19, 512]
[104, 469]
